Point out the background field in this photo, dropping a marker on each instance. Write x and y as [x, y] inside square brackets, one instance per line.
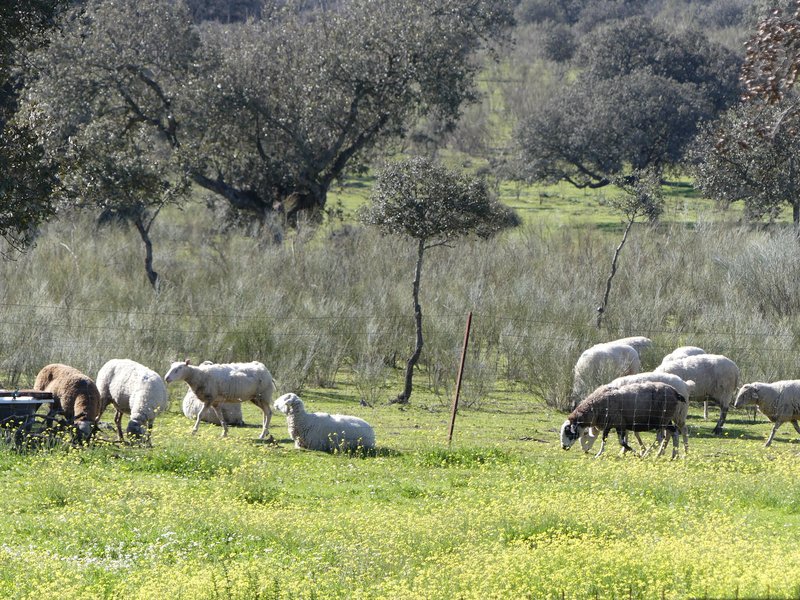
[504, 513]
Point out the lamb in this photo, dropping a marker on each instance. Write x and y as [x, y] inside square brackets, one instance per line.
[649, 405]
[684, 388]
[321, 431]
[600, 364]
[231, 411]
[779, 401]
[215, 384]
[133, 389]
[715, 377]
[74, 393]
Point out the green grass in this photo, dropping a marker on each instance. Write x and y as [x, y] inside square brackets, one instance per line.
[503, 513]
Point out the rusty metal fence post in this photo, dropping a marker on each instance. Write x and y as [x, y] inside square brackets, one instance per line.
[458, 380]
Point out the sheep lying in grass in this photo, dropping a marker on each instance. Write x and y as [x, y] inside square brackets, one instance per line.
[321, 431]
[133, 389]
[644, 406]
[600, 364]
[231, 411]
[75, 394]
[215, 384]
[779, 401]
[715, 377]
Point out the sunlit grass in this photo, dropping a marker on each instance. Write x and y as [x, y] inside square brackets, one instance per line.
[503, 513]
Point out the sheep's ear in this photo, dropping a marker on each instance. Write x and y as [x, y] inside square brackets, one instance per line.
[186, 362]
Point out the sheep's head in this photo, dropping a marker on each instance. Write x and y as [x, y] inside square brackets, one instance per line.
[748, 394]
[570, 433]
[135, 428]
[288, 403]
[177, 371]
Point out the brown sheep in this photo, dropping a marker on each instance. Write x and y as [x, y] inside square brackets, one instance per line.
[74, 393]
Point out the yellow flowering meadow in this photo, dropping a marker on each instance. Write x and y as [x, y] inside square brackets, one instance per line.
[504, 513]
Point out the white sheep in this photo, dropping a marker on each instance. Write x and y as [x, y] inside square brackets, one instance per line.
[600, 364]
[322, 431]
[638, 342]
[133, 389]
[716, 377]
[779, 401]
[192, 406]
[684, 388]
[682, 352]
[215, 384]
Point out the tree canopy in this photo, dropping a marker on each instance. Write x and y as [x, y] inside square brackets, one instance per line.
[267, 113]
[25, 180]
[635, 104]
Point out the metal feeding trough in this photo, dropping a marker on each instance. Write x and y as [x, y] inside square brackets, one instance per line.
[22, 403]
[21, 426]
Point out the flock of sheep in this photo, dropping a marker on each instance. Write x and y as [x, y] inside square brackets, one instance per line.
[610, 392]
[141, 393]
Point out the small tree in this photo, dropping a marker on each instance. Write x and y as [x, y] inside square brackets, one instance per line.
[432, 205]
[643, 198]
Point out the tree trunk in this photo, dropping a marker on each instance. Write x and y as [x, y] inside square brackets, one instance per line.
[412, 361]
[144, 233]
[602, 308]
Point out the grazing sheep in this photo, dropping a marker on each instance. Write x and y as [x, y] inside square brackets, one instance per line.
[715, 377]
[321, 431]
[684, 388]
[600, 364]
[133, 389]
[638, 342]
[779, 401]
[74, 393]
[215, 384]
[682, 352]
[231, 411]
[645, 406]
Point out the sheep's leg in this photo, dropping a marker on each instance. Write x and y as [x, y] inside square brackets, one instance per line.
[197, 421]
[772, 433]
[685, 434]
[623, 441]
[265, 408]
[602, 443]
[674, 443]
[723, 413]
[796, 426]
[118, 423]
[221, 417]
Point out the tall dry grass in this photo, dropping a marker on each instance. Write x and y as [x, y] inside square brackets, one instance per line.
[336, 302]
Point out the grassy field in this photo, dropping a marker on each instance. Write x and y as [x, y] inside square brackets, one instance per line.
[503, 513]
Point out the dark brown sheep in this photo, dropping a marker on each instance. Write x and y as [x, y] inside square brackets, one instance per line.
[634, 407]
[75, 394]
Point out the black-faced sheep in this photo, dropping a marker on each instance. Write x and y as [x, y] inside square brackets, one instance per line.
[133, 389]
[779, 401]
[715, 377]
[684, 388]
[75, 394]
[322, 431]
[634, 407]
[215, 384]
[600, 364]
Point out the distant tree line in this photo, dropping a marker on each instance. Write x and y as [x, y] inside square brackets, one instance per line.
[123, 107]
